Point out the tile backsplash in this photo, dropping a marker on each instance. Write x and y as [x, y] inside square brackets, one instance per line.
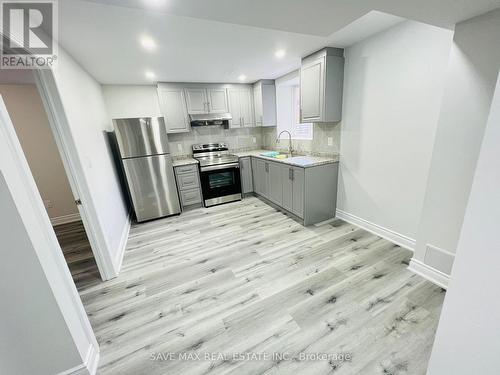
[238, 139]
[254, 138]
[317, 146]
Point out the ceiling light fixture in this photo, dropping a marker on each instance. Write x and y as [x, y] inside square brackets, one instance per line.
[148, 43]
[150, 75]
[242, 77]
[154, 3]
[280, 53]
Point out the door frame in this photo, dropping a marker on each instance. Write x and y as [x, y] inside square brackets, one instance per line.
[39, 228]
[65, 142]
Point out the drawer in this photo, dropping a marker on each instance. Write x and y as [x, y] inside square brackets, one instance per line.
[191, 168]
[188, 181]
[189, 197]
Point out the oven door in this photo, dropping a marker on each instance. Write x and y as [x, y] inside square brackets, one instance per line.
[220, 183]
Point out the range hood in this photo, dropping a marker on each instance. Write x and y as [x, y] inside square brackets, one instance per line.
[205, 119]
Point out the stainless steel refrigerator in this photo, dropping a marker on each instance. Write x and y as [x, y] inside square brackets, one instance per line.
[147, 163]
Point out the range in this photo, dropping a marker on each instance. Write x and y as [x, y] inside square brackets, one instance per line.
[219, 173]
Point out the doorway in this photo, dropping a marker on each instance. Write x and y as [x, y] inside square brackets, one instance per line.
[26, 110]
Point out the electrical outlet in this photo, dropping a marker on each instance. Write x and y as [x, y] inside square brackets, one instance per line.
[254, 140]
[179, 146]
[330, 141]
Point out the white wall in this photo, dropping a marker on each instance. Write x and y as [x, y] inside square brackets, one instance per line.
[470, 83]
[44, 327]
[393, 87]
[26, 111]
[124, 101]
[84, 107]
[468, 339]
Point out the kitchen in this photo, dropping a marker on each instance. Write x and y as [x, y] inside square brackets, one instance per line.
[267, 187]
[219, 171]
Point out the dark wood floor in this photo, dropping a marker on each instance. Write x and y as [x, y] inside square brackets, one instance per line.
[246, 279]
[76, 249]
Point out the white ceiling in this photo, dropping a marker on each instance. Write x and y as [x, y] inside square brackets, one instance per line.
[218, 40]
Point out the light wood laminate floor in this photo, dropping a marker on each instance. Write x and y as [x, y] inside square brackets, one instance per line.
[244, 278]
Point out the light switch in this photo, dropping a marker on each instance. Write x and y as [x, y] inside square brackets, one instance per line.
[330, 141]
[254, 140]
[179, 146]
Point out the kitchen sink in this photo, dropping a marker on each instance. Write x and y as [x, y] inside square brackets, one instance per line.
[275, 155]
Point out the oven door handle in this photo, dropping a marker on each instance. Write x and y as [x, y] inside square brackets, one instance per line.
[220, 166]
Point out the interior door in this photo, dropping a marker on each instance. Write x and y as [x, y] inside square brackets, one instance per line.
[217, 100]
[196, 100]
[311, 90]
[234, 107]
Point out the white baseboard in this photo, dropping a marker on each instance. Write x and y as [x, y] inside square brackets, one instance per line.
[388, 234]
[88, 367]
[117, 262]
[433, 275]
[65, 219]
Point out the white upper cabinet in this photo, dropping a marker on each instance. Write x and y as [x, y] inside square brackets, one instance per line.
[264, 94]
[196, 100]
[321, 86]
[217, 100]
[173, 107]
[241, 106]
[206, 100]
[234, 107]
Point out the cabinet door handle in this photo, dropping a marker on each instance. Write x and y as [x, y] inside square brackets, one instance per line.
[242, 121]
[290, 174]
[267, 167]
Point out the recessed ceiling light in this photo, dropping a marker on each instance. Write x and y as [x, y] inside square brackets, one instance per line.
[154, 3]
[150, 75]
[242, 77]
[148, 43]
[280, 53]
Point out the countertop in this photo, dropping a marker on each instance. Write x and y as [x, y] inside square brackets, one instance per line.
[303, 161]
[184, 161]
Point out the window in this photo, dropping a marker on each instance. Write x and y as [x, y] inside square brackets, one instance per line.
[288, 108]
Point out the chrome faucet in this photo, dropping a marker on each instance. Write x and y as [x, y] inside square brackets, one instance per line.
[290, 149]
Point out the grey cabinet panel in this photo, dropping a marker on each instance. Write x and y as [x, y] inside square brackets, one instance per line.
[217, 102]
[246, 175]
[196, 100]
[298, 177]
[311, 90]
[287, 179]
[193, 168]
[189, 197]
[321, 86]
[261, 177]
[234, 108]
[173, 106]
[264, 93]
[188, 181]
[275, 185]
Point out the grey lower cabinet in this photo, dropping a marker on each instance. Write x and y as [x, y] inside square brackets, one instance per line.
[275, 191]
[308, 193]
[246, 175]
[293, 189]
[188, 184]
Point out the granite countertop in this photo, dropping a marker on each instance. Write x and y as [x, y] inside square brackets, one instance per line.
[185, 160]
[304, 161]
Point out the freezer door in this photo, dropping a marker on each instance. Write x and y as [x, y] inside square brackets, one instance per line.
[152, 186]
[141, 136]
